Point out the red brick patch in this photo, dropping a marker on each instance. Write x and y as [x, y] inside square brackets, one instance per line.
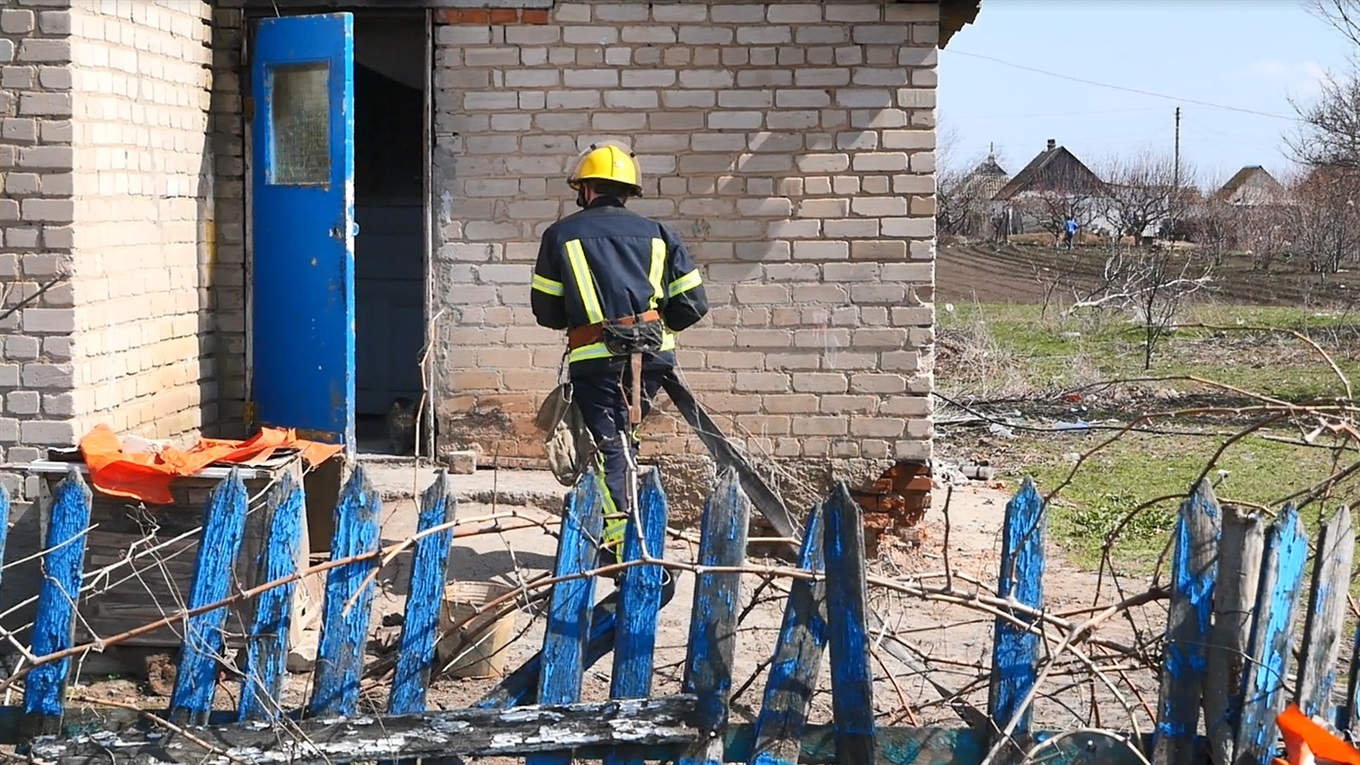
[486, 16]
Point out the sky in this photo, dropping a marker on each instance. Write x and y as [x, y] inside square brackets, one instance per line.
[1200, 55]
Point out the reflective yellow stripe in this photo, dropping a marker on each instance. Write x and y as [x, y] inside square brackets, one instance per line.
[599, 351]
[548, 286]
[685, 283]
[585, 282]
[592, 351]
[657, 271]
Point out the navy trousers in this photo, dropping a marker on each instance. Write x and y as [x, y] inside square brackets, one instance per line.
[602, 393]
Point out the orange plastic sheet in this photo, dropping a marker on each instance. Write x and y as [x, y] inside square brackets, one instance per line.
[1308, 743]
[147, 476]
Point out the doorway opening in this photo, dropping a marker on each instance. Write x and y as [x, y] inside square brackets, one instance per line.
[390, 162]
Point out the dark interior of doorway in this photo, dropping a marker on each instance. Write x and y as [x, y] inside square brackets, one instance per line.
[389, 166]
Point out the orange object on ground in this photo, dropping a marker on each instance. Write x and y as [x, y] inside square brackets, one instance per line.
[147, 476]
[1308, 743]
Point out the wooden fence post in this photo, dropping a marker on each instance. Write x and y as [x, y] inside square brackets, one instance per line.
[424, 599]
[852, 686]
[1326, 615]
[53, 628]
[564, 641]
[1239, 573]
[713, 619]
[1194, 566]
[798, 657]
[224, 521]
[267, 646]
[1015, 649]
[639, 602]
[1277, 598]
[349, 600]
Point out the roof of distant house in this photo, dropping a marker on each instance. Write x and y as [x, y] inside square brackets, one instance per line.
[1254, 174]
[1054, 167]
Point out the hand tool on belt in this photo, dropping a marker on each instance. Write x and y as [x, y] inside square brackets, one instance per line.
[605, 332]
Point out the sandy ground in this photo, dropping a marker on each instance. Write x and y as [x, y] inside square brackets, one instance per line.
[952, 641]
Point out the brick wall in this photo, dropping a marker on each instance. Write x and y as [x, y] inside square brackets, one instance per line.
[143, 211]
[791, 146]
[36, 369]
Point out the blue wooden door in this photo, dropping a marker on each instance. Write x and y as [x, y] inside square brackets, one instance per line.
[302, 318]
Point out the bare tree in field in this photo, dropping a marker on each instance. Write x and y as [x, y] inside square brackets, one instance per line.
[1330, 130]
[1142, 191]
[1325, 224]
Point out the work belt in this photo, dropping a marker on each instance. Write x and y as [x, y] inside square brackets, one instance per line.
[594, 333]
[633, 343]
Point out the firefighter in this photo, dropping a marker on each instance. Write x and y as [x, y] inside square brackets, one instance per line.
[621, 285]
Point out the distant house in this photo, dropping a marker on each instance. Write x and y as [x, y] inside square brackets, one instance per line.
[1252, 186]
[976, 190]
[1052, 186]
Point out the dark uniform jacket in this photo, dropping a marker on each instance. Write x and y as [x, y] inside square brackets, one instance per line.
[608, 262]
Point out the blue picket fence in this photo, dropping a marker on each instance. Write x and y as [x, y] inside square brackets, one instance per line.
[1228, 645]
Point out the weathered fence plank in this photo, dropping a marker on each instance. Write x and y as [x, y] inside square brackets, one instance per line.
[852, 686]
[1194, 567]
[1277, 598]
[1348, 719]
[798, 658]
[639, 602]
[267, 649]
[54, 625]
[664, 729]
[1015, 650]
[1239, 574]
[1323, 622]
[424, 598]
[713, 619]
[349, 600]
[569, 609]
[329, 740]
[224, 521]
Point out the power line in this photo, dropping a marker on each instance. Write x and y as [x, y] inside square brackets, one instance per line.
[1138, 91]
[1051, 114]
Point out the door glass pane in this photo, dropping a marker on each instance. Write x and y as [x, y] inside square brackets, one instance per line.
[299, 111]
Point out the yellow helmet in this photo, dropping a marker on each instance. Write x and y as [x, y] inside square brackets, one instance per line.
[607, 163]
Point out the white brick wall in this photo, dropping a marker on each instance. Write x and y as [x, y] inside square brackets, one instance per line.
[37, 372]
[790, 144]
[144, 215]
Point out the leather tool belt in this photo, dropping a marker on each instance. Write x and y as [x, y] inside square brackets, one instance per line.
[623, 337]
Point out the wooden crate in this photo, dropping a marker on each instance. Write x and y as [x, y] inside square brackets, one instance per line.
[156, 585]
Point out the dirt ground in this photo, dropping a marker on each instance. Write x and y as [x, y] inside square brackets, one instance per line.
[1012, 273]
[954, 642]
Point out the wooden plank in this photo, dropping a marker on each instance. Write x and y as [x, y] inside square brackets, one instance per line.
[224, 520]
[852, 686]
[639, 602]
[463, 732]
[569, 609]
[424, 599]
[267, 647]
[663, 720]
[1326, 614]
[1239, 574]
[1348, 719]
[1277, 598]
[349, 600]
[1015, 650]
[797, 659]
[62, 563]
[713, 618]
[1194, 567]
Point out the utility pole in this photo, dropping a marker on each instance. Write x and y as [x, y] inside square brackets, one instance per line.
[1176, 175]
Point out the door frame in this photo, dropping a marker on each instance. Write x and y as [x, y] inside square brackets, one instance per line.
[258, 9]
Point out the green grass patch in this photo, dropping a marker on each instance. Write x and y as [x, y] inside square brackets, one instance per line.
[1018, 352]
